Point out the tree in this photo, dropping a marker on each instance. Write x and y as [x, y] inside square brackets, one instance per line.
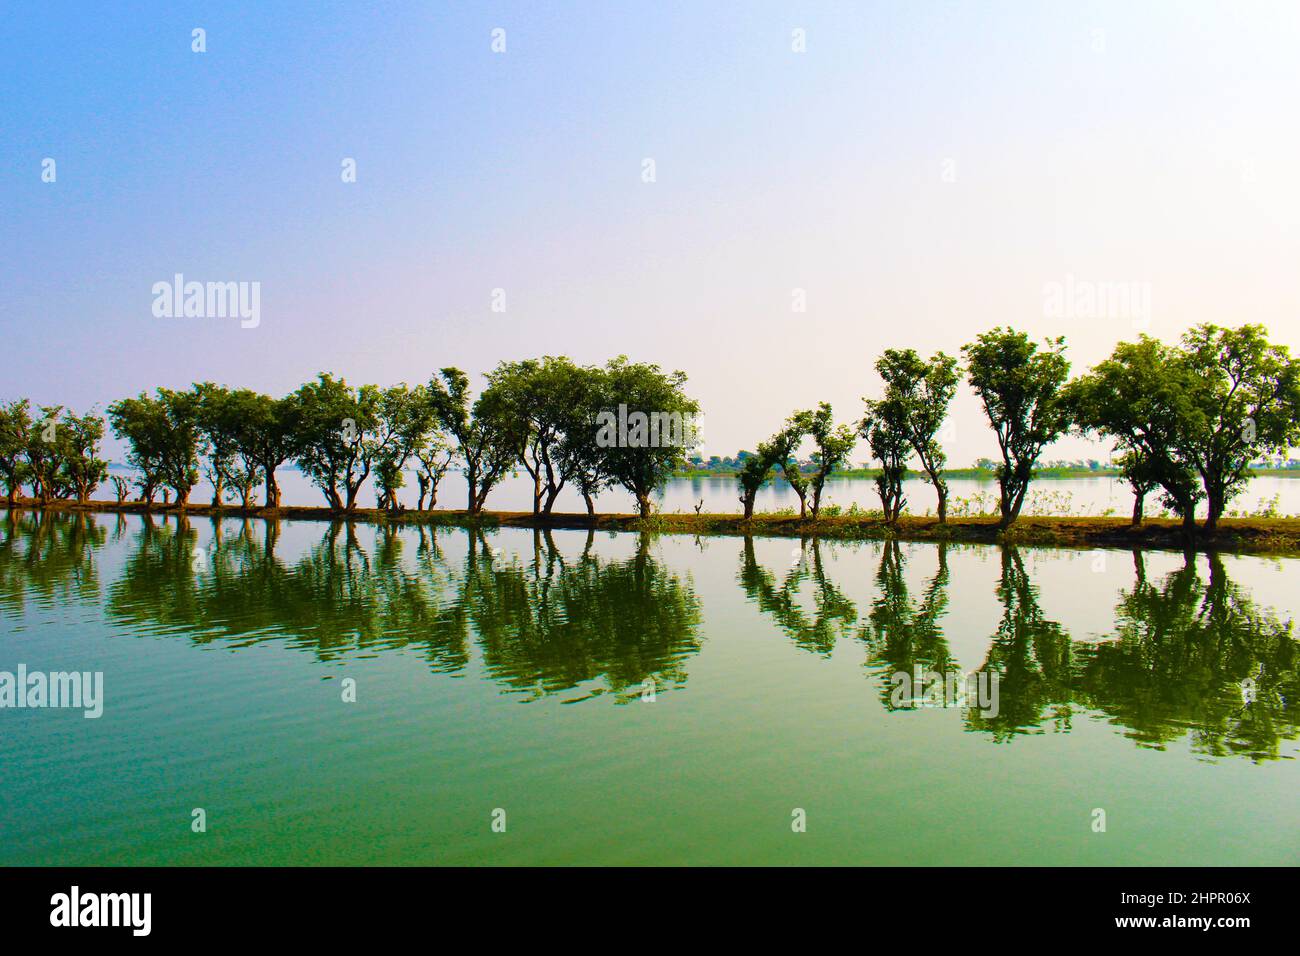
[1141, 397]
[335, 447]
[922, 390]
[44, 456]
[486, 436]
[580, 454]
[834, 445]
[434, 458]
[1141, 476]
[15, 429]
[757, 468]
[647, 429]
[81, 467]
[790, 467]
[163, 433]
[219, 443]
[1020, 387]
[404, 418]
[886, 431]
[540, 396]
[266, 433]
[1246, 404]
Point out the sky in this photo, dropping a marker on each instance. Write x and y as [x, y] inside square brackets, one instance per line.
[913, 173]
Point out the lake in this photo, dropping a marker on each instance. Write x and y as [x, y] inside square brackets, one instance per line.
[349, 694]
[1049, 496]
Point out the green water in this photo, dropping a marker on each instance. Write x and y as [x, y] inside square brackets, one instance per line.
[628, 699]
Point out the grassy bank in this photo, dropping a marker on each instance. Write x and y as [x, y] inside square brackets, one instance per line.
[1245, 535]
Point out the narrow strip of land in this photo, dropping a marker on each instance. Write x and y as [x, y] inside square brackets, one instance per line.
[1257, 535]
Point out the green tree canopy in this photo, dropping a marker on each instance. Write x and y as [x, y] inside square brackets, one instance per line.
[1020, 386]
[919, 391]
[647, 455]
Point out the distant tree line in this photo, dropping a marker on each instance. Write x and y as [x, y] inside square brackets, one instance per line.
[1186, 420]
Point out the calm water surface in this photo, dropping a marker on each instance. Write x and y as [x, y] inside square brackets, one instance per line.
[514, 670]
[1048, 496]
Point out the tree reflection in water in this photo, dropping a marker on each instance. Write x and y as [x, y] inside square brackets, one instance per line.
[1183, 649]
[543, 628]
[832, 615]
[1191, 654]
[903, 635]
[48, 556]
[1188, 656]
[555, 625]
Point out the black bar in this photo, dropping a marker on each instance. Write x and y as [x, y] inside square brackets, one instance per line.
[640, 906]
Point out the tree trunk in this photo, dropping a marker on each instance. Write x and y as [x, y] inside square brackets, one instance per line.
[1214, 508]
[1139, 500]
[1013, 501]
[643, 504]
[472, 481]
[941, 490]
[272, 488]
[591, 505]
[747, 500]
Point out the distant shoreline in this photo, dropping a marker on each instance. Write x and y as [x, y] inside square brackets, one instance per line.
[1279, 536]
[977, 474]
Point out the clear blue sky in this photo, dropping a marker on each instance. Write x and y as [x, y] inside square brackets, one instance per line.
[1112, 142]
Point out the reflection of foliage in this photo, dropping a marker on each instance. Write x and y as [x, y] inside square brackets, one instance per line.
[48, 554]
[554, 626]
[1031, 656]
[157, 585]
[336, 599]
[547, 629]
[1174, 665]
[833, 613]
[904, 635]
[1181, 651]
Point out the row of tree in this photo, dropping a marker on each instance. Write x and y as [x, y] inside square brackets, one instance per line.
[536, 414]
[1186, 419]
